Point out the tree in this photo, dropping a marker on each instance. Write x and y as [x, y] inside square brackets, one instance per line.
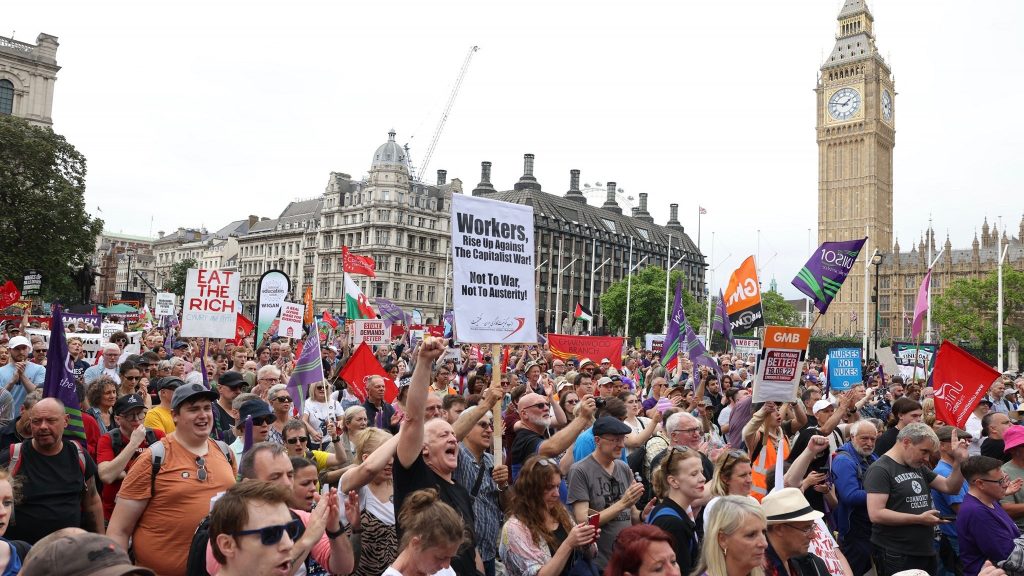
[778, 312]
[179, 273]
[966, 310]
[647, 313]
[43, 220]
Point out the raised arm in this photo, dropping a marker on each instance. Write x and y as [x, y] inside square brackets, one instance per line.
[561, 441]
[362, 473]
[469, 417]
[411, 444]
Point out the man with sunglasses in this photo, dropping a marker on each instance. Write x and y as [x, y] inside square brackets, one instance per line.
[535, 436]
[252, 533]
[119, 447]
[791, 528]
[158, 508]
[986, 531]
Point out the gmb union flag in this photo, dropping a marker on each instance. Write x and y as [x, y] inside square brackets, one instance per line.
[823, 275]
[743, 298]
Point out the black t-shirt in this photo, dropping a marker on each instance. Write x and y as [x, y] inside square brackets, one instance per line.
[525, 444]
[814, 498]
[886, 441]
[381, 418]
[224, 424]
[52, 488]
[418, 477]
[994, 449]
[908, 491]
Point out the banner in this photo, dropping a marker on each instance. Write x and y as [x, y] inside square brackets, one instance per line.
[164, 304]
[493, 290]
[371, 332]
[746, 346]
[743, 298]
[844, 368]
[291, 320]
[960, 381]
[92, 344]
[91, 321]
[60, 377]
[210, 308]
[780, 364]
[568, 347]
[273, 288]
[823, 275]
[914, 361]
[32, 282]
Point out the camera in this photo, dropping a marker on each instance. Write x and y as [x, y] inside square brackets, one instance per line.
[599, 402]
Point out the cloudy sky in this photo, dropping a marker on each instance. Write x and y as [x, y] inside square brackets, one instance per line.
[195, 113]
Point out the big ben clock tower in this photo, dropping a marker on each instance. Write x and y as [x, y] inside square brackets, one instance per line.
[856, 135]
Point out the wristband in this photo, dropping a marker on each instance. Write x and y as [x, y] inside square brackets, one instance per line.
[334, 535]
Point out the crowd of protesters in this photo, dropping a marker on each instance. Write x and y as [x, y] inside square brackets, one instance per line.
[608, 466]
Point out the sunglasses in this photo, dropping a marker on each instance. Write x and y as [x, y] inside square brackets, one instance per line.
[136, 378]
[486, 425]
[283, 399]
[201, 472]
[548, 462]
[263, 420]
[297, 439]
[271, 535]
[541, 405]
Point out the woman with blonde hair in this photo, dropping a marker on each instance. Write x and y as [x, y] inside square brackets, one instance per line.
[354, 421]
[679, 482]
[733, 477]
[12, 552]
[371, 479]
[734, 541]
[432, 532]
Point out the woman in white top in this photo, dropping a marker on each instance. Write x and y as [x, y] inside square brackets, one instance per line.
[643, 427]
[371, 478]
[318, 410]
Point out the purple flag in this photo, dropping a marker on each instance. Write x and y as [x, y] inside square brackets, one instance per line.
[60, 378]
[721, 322]
[202, 363]
[921, 307]
[247, 440]
[697, 354]
[309, 370]
[670, 348]
[823, 275]
[389, 311]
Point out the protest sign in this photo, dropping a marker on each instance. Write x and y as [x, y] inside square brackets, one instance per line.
[844, 368]
[273, 288]
[90, 321]
[493, 289]
[164, 304]
[291, 320]
[15, 320]
[210, 308]
[913, 360]
[746, 346]
[32, 282]
[372, 332]
[92, 344]
[654, 343]
[108, 328]
[569, 347]
[779, 366]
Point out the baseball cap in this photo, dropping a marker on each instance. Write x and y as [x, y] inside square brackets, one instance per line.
[610, 425]
[821, 405]
[19, 341]
[84, 554]
[604, 381]
[563, 383]
[231, 379]
[945, 433]
[169, 382]
[254, 408]
[1013, 437]
[605, 361]
[188, 392]
[180, 344]
[128, 402]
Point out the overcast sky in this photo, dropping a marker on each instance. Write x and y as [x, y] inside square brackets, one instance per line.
[196, 113]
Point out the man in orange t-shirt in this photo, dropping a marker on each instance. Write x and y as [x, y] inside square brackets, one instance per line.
[161, 522]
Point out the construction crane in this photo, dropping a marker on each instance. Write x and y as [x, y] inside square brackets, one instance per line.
[444, 115]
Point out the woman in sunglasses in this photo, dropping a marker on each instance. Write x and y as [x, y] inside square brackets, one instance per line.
[678, 482]
[539, 537]
[318, 410]
[732, 478]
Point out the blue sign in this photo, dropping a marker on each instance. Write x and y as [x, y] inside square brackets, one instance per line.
[844, 368]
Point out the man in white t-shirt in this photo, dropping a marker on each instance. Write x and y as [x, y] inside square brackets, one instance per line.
[973, 426]
[107, 366]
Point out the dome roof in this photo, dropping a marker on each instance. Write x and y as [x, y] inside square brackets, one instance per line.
[389, 153]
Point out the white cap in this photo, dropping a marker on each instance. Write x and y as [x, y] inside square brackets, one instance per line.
[821, 405]
[19, 341]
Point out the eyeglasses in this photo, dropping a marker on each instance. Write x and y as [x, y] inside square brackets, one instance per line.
[263, 420]
[486, 425]
[270, 379]
[807, 530]
[271, 535]
[297, 439]
[541, 405]
[140, 415]
[201, 473]
[1004, 481]
[572, 401]
[547, 462]
[282, 399]
[696, 430]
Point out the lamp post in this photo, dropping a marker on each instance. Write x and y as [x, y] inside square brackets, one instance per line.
[999, 308]
[876, 259]
[129, 251]
[629, 282]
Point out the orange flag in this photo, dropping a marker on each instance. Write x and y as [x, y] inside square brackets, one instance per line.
[743, 298]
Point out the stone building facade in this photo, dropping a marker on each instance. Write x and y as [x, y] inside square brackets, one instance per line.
[110, 260]
[28, 73]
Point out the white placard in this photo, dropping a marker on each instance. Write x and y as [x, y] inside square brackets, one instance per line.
[372, 332]
[93, 343]
[493, 271]
[164, 304]
[211, 307]
[291, 320]
[108, 328]
[746, 346]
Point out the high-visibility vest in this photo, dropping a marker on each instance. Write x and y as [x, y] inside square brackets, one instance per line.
[765, 464]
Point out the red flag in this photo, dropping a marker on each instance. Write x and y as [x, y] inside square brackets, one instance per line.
[358, 370]
[354, 264]
[243, 326]
[9, 294]
[960, 381]
[307, 316]
[329, 319]
[506, 352]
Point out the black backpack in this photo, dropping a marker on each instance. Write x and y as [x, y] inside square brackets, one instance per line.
[196, 565]
[635, 461]
[117, 442]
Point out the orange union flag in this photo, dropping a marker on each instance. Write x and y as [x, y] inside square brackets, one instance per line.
[743, 298]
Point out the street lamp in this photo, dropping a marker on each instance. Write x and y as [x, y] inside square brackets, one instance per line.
[876, 259]
[127, 280]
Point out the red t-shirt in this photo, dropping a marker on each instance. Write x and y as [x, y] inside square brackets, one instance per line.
[105, 453]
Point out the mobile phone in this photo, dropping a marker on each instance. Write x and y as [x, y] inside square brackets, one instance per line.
[594, 520]
[948, 517]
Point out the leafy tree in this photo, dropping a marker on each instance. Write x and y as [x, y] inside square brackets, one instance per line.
[179, 273]
[966, 310]
[778, 312]
[43, 220]
[647, 313]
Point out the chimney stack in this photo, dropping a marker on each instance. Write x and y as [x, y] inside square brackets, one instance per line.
[574, 192]
[484, 187]
[673, 218]
[442, 176]
[640, 212]
[609, 202]
[527, 181]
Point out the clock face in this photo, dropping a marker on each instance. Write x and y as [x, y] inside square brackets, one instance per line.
[886, 105]
[844, 103]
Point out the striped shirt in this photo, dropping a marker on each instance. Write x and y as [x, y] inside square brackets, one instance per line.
[486, 504]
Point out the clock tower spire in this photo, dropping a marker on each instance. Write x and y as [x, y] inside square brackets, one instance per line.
[856, 135]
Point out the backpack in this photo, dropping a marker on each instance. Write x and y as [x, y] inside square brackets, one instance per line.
[196, 565]
[15, 463]
[159, 450]
[117, 439]
[635, 461]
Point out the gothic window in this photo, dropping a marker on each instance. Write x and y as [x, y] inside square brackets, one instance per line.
[6, 97]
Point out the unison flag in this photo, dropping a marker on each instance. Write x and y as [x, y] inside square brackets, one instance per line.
[670, 349]
[743, 295]
[360, 367]
[697, 354]
[309, 369]
[721, 322]
[960, 380]
[390, 312]
[9, 294]
[354, 264]
[921, 307]
[60, 377]
[243, 326]
[823, 275]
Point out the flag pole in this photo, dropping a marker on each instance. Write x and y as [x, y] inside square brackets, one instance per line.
[707, 290]
[668, 273]
[496, 409]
